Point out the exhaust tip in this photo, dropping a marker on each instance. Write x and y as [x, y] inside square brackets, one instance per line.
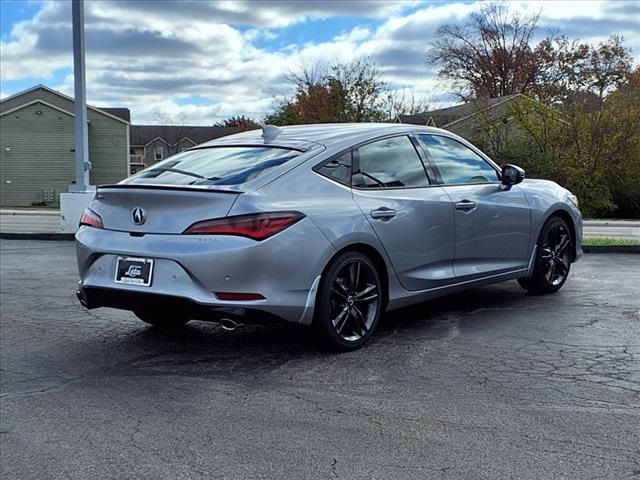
[228, 324]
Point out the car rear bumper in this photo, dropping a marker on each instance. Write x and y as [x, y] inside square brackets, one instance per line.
[96, 297]
[189, 270]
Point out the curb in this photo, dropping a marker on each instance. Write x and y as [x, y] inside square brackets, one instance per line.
[37, 236]
[611, 249]
[608, 223]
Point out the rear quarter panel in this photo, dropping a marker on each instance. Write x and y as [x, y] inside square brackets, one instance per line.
[328, 204]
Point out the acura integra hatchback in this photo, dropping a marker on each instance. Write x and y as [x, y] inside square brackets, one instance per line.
[323, 225]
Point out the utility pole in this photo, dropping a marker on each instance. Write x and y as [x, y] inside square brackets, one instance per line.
[83, 165]
[80, 193]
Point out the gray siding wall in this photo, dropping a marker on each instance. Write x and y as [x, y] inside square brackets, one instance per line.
[38, 94]
[150, 152]
[42, 148]
[40, 154]
[108, 149]
[184, 144]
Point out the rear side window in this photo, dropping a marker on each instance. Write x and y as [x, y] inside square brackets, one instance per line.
[457, 163]
[214, 166]
[392, 162]
[338, 169]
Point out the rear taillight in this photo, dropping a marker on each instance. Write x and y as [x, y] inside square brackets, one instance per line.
[256, 226]
[91, 219]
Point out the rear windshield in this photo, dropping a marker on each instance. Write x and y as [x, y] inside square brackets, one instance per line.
[214, 166]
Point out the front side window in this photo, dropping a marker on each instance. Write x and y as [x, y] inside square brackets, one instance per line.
[214, 166]
[392, 162]
[338, 169]
[457, 163]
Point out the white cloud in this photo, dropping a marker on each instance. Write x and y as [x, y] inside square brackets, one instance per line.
[153, 56]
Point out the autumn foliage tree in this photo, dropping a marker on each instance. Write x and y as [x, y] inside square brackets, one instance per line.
[579, 122]
[488, 56]
[241, 122]
[493, 55]
[341, 92]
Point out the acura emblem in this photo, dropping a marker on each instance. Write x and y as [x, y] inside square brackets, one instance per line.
[139, 215]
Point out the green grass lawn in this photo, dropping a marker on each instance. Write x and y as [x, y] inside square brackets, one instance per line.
[609, 241]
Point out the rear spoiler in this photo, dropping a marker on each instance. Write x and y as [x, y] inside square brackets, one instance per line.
[161, 186]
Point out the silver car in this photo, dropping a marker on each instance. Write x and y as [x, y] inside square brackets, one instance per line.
[323, 225]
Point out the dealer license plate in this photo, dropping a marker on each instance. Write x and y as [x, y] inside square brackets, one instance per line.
[134, 271]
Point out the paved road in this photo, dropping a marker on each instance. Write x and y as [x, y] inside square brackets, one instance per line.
[488, 384]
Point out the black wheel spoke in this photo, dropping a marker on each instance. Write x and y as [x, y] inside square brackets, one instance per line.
[551, 272]
[562, 266]
[359, 319]
[555, 236]
[341, 319]
[564, 243]
[354, 275]
[339, 293]
[370, 292]
[340, 283]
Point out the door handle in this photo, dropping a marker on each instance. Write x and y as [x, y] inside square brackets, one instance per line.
[465, 205]
[383, 213]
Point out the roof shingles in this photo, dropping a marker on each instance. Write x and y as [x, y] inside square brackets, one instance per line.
[140, 135]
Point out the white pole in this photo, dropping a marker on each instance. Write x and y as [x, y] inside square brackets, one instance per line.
[81, 121]
[80, 193]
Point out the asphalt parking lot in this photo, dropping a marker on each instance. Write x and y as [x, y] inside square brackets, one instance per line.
[491, 384]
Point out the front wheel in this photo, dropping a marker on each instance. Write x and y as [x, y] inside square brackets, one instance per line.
[349, 302]
[553, 258]
[162, 320]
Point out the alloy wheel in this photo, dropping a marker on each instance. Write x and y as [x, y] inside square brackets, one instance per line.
[555, 254]
[354, 299]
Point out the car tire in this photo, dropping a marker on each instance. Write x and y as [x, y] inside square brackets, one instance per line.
[161, 320]
[349, 302]
[553, 258]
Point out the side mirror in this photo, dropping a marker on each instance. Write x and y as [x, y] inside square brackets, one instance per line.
[511, 175]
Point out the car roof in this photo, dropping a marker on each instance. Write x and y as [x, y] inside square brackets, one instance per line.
[305, 137]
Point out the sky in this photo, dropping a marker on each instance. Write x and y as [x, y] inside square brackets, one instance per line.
[200, 61]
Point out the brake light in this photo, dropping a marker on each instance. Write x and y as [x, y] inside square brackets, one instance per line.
[256, 226]
[235, 296]
[91, 219]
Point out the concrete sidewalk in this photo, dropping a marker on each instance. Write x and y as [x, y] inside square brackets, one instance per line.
[623, 229]
[30, 221]
[48, 221]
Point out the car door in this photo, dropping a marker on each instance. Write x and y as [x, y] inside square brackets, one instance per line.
[492, 224]
[412, 218]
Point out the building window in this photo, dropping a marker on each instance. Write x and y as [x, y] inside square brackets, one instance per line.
[159, 153]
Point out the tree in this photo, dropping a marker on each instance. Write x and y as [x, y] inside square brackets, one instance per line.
[404, 102]
[342, 92]
[172, 129]
[493, 55]
[489, 56]
[242, 123]
[570, 71]
[594, 151]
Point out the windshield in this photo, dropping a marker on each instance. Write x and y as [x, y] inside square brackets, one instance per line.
[214, 166]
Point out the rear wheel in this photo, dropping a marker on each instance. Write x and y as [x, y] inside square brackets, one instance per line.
[162, 320]
[553, 258]
[349, 303]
